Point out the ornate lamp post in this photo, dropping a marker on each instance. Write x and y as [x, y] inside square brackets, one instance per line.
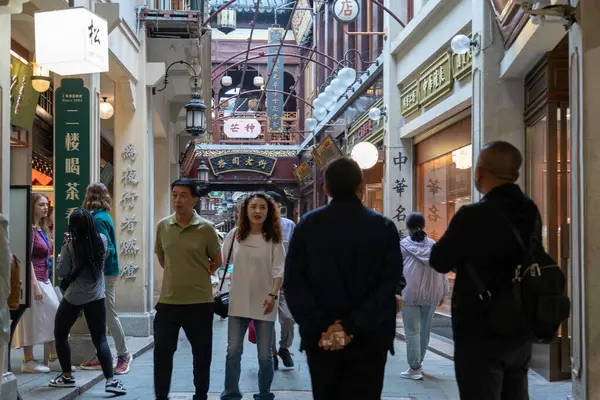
[195, 121]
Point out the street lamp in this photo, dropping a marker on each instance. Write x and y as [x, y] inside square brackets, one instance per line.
[195, 121]
[195, 118]
[203, 183]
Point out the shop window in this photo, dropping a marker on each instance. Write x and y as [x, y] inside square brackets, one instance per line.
[443, 182]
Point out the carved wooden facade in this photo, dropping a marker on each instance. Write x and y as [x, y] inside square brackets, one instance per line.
[510, 18]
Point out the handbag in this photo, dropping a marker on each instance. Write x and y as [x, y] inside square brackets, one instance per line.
[71, 276]
[14, 298]
[222, 299]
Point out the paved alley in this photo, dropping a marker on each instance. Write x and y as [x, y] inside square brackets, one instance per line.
[294, 384]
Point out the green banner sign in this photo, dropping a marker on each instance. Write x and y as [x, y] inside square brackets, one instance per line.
[23, 98]
[71, 152]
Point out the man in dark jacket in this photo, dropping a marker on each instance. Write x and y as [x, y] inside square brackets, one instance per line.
[488, 365]
[343, 268]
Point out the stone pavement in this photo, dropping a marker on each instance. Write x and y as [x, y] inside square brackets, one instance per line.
[294, 384]
[35, 386]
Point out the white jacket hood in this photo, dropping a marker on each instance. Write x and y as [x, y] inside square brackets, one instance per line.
[420, 250]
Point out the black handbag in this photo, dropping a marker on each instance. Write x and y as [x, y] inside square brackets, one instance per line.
[72, 276]
[222, 299]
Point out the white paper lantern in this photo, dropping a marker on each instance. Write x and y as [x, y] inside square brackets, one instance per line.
[226, 80]
[73, 41]
[310, 124]
[365, 154]
[347, 76]
[320, 114]
[259, 81]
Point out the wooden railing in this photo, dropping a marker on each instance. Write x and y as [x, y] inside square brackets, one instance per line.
[289, 136]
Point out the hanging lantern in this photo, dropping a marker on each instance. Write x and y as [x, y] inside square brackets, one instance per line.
[40, 81]
[226, 20]
[106, 109]
[259, 81]
[226, 80]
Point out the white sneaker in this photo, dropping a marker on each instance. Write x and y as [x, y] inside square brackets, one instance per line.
[32, 367]
[55, 366]
[410, 373]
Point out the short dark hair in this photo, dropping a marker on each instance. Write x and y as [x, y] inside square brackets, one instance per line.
[188, 183]
[276, 196]
[343, 176]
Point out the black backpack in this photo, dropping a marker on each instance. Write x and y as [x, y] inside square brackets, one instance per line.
[536, 304]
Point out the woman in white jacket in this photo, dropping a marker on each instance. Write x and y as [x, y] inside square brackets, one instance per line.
[424, 291]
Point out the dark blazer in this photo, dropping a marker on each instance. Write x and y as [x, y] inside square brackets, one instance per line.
[344, 263]
[479, 235]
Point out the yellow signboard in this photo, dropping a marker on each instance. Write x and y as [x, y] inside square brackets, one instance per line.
[326, 152]
[409, 99]
[436, 80]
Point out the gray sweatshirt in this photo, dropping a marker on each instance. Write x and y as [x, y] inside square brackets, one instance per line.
[86, 287]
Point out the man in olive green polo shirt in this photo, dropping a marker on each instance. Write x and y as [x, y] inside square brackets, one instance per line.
[188, 248]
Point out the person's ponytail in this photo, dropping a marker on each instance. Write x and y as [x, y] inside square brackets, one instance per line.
[418, 235]
[415, 224]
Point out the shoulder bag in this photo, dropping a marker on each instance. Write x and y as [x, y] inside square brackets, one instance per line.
[222, 299]
[71, 276]
[15, 284]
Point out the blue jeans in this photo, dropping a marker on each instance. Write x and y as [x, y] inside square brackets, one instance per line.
[417, 327]
[235, 347]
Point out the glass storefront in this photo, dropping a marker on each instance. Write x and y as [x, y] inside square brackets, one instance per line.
[443, 181]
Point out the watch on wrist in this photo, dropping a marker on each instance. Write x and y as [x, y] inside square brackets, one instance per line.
[274, 296]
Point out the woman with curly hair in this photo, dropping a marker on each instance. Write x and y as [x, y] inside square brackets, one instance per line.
[98, 202]
[258, 255]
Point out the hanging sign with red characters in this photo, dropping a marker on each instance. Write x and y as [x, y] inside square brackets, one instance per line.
[346, 11]
[241, 128]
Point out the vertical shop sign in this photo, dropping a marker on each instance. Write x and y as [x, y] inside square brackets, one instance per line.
[275, 82]
[71, 151]
[129, 222]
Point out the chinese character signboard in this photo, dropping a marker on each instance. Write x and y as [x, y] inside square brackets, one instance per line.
[302, 20]
[71, 152]
[80, 46]
[436, 80]
[346, 11]
[461, 64]
[241, 128]
[23, 98]
[275, 82]
[409, 99]
[326, 152]
[303, 173]
[242, 162]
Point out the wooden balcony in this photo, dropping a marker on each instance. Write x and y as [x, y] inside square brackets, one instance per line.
[289, 136]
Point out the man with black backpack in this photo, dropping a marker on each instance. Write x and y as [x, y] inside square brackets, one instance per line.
[508, 292]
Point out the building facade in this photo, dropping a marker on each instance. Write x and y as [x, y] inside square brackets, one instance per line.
[525, 80]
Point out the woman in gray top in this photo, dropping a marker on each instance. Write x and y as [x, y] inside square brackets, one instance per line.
[81, 262]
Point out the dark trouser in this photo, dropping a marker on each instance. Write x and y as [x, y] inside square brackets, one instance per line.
[483, 372]
[197, 323]
[355, 372]
[95, 316]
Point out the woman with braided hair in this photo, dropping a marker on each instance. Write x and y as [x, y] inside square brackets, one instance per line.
[81, 265]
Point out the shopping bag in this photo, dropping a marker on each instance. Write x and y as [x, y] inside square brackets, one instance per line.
[252, 333]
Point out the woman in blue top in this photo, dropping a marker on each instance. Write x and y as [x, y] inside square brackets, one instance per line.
[98, 202]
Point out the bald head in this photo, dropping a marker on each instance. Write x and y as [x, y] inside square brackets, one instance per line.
[498, 163]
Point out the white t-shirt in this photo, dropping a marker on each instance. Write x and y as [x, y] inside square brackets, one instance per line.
[256, 264]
